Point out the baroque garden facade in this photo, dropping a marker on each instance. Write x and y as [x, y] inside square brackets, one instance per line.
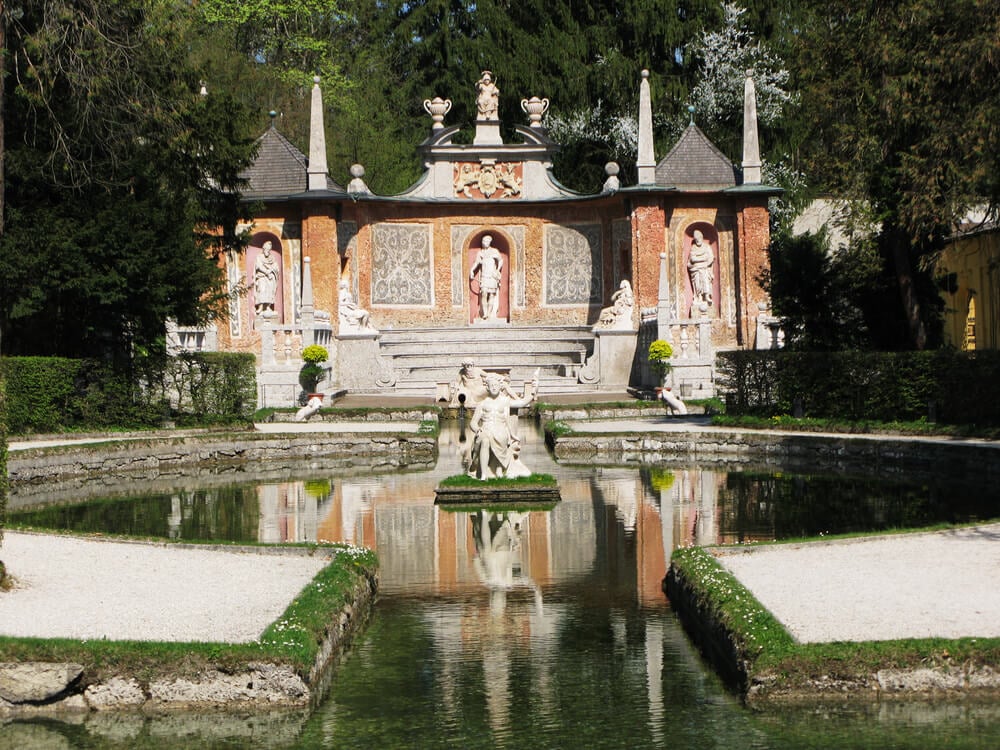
[401, 292]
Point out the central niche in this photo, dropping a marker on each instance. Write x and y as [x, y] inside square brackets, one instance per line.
[488, 264]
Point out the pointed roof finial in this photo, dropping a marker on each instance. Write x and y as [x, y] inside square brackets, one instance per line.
[272, 114]
[317, 140]
[751, 143]
[646, 161]
[691, 109]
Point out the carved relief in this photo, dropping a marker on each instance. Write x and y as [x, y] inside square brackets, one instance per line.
[573, 264]
[401, 265]
[498, 180]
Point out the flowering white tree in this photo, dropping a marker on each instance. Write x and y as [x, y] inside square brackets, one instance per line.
[619, 132]
[726, 57]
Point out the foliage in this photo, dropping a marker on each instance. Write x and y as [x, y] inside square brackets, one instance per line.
[726, 55]
[949, 386]
[557, 429]
[315, 354]
[464, 480]
[3, 466]
[659, 355]
[309, 376]
[818, 295]
[113, 161]
[903, 100]
[50, 394]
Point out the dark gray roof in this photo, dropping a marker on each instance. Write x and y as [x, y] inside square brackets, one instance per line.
[695, 164]
[279, 169]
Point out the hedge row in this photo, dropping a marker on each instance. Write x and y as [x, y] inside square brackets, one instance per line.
[946, 386]
[52, 394]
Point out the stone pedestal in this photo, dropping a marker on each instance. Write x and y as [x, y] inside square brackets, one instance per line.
[360, 368]
[610, 367]
[487, 133]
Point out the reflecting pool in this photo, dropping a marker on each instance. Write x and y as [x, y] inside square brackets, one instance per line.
[531, 628]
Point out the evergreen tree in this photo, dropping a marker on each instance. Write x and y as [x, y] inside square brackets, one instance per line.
[113, 162]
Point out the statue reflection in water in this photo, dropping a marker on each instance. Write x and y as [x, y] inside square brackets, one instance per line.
[498, 562]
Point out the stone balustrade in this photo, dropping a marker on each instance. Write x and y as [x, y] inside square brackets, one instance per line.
[282, 343]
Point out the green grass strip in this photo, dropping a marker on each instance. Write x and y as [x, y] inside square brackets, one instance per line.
[294, 639]
[772, 656]
[464, 480]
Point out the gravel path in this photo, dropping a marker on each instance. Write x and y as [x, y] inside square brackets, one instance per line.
[939, 584]
[69, 587]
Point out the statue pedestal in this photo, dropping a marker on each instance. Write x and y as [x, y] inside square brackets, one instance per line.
[359, 362]
[487, 133]
[610, 367]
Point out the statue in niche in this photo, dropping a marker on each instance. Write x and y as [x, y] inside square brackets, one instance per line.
[353, 319]
[489, 263]
[701, 260]
[619, 315]
[487, 97]
[496, 449]
[265, 280]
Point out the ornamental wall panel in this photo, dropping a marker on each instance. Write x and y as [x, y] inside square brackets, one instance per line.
[402, 271]
[573, 274]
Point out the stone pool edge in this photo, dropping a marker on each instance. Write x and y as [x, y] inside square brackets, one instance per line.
[30, 688]
[164, 452]
[698, 598]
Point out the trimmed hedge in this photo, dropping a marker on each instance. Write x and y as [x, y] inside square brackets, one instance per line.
[52, 394]
[3, 465]
[946, 385]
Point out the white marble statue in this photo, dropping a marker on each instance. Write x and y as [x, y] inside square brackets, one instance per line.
[674, 404]
[619, 315]
[487, 97]
[470, 387]
[489, 263]
[496, 449]
[265, 280]
[700, 267]
[353, 319]
[312, 406]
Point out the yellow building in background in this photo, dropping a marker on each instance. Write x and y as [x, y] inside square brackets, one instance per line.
[970, 272]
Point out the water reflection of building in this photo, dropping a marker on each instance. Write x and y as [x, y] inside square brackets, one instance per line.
[500, 591]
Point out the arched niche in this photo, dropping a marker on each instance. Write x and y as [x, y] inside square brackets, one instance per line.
[703, 266]
[503, 244]
[254, 250]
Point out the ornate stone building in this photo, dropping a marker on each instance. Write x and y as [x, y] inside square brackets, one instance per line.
[487, 257]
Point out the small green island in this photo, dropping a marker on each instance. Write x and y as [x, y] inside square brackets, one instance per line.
[462, 489]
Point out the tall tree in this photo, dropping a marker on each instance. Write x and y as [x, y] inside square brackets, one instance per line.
[113, 163]
[903, 100]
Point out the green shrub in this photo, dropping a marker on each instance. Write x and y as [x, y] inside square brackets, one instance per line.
[315, 354]
[948, 386]
[47, 394]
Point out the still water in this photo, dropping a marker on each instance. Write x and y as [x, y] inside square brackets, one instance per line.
[528, 629]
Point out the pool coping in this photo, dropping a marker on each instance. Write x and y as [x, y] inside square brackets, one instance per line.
[769, 669]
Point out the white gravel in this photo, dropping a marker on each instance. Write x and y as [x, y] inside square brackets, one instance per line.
[940, 584]
[69, 587]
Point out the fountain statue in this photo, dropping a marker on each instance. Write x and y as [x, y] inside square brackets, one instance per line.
[495, 449]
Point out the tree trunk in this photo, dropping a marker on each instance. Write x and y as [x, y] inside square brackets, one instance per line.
[899, 247]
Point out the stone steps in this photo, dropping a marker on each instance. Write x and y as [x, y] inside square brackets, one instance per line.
[424, 358]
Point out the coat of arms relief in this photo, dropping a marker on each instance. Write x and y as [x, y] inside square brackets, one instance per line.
[488, 180]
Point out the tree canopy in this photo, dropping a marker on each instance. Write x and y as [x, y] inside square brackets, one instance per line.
[113, 161]
[902, 104]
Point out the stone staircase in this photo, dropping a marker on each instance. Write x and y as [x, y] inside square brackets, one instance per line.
[424, 358]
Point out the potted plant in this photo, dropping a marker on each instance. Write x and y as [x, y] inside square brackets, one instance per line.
[312, 371]
[660, 352]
